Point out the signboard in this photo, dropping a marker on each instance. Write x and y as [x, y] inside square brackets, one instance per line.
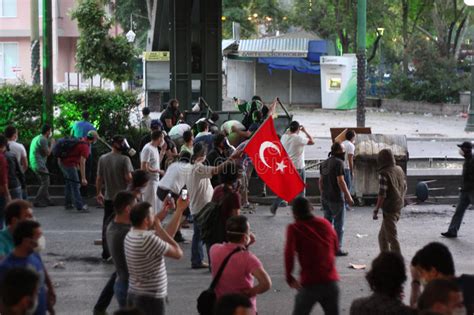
[263, 54]
[156, 56]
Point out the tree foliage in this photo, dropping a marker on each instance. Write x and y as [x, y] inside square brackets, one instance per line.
[141, 18]
[99, 53]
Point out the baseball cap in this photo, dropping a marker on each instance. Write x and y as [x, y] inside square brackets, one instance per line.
[155, 124]
[466, 145]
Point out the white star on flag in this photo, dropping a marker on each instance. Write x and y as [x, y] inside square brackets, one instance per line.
[281, 166]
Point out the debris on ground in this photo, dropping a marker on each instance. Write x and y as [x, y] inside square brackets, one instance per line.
[59, 265]
[357, 267]
[361, 235]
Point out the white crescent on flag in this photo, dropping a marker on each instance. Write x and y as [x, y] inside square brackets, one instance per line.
[266, 145]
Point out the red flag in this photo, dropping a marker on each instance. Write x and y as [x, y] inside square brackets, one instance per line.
[272, 163]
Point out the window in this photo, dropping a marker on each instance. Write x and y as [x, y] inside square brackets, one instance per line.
[9, 59]
[7, 8]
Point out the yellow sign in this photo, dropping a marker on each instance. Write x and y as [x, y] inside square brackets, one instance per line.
[156, 55]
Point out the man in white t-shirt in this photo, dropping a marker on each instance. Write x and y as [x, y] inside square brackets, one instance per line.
[145, 250]
[150, 160]
[19, 151]
[198, 183]
[294, 145]
[349, 147]
[177, 131]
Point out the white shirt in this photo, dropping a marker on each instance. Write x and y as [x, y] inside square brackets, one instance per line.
[179, 130]
[227, 126]
[150, 155]
[18, 149]
[294, 146]
[350, 149]
[199, 186]
[175, 177]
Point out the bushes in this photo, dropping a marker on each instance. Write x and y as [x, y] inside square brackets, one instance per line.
[110, 111]
[435, 79]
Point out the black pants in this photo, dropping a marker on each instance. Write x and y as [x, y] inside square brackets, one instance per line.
[108, 216]
[106, 295]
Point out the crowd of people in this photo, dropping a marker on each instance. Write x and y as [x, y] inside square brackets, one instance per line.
[200, 175]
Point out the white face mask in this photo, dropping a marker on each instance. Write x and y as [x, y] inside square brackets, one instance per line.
[41, 244]
[461, 152]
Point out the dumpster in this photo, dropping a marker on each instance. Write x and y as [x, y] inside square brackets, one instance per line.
[367, 148]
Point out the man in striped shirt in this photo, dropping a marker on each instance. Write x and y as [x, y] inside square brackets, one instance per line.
[145, 250]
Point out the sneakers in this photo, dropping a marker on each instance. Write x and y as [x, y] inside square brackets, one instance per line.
[449, 234]
[84, 209]
[202, 265]
[341, 253]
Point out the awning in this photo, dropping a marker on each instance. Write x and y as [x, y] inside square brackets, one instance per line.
[296, 64]
[274, 47]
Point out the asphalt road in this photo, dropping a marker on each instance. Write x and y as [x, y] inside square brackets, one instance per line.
[70, 237]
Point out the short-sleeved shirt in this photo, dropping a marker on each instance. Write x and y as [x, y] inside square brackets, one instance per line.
[227, 126]
[3, 170]
[294, 145]
[199, 186]
[185, 148]
[15, 176]
[144, 253]
[39, 153]
[216, 158]
[330, 170]
[207, 138]
[175, 177]
[350, 149]
[151, 155]
[6, 243]
[237, 275]
[18, 149]
[112, 168]
[116, 233]
[73, 157]
[81, 128]
[32, 262]
[380, 304]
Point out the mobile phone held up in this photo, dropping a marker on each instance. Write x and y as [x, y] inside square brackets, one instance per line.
[184, 194]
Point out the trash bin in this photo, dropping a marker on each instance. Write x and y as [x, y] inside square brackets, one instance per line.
[367, 148]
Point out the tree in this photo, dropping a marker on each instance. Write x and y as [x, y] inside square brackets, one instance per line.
[98, 53]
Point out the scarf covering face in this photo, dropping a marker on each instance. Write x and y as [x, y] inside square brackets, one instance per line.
[385, 159]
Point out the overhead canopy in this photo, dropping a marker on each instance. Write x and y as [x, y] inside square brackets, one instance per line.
[274, 47]
[295, 64]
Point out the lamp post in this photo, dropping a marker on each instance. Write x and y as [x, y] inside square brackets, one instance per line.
[470, 119]
[380, 31]
[361, 60]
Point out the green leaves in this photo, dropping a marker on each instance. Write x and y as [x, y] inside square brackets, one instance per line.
[99, 53]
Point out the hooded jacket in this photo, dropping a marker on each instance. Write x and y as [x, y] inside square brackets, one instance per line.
[396, 183]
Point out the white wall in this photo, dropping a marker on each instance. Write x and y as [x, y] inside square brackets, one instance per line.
[240, 79]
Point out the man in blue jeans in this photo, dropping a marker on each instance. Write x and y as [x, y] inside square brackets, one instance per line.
[334, 190]
[76, 158]
[467, 190]
[294, 145]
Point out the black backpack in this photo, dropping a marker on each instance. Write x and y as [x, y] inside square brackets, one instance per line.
[64, 145]
[207, 299]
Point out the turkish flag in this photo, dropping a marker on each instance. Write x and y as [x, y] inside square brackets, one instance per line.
[272, 163]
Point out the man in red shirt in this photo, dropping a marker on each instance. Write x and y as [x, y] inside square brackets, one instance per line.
[4, 192]
[76, 158]
[314, 241]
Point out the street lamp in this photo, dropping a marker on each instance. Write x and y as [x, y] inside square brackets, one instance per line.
[470, 119]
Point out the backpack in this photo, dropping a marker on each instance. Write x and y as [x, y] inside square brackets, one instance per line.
[208, 220]
[207, 299]
[64, 145]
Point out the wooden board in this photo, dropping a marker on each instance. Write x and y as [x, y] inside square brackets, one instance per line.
[335, 132]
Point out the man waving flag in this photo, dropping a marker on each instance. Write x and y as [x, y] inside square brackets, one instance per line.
[272, 163]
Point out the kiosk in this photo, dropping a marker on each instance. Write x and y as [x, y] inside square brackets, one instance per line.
[339, 82]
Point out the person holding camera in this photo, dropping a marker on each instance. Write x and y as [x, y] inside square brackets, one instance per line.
[294, 145]
[114, 172]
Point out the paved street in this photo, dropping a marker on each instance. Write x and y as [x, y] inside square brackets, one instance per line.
[70, 236]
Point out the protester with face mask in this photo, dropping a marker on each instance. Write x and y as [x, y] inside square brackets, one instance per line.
[441, 297]
[19, 299]
[466, 196]
[334, 191]
[434, 261]
[294, 145]
[217, 156]
[140, 179]
[26, 238]
[114, 172]
[243, 267]
[391, 198]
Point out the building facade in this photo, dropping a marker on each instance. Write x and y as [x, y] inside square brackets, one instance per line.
[15, 31]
